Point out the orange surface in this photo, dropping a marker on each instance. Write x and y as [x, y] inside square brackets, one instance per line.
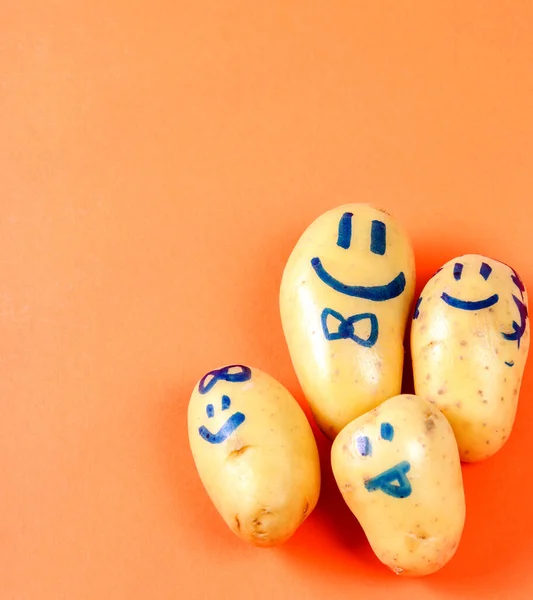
[158, 162]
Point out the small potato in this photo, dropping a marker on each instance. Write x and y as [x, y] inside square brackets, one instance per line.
[470, 341]
[345, 299]
[255, 453]
[398, 470]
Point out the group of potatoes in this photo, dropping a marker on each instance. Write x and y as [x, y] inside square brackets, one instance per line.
[346, 295]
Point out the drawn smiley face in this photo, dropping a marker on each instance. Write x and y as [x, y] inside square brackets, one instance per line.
[232, 374]
[470, 265]
[484, 271]
[393, 481]
[378, 246]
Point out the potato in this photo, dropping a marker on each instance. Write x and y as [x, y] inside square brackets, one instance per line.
[255, 453]
[470, 341]
[398, 470]
[345, 299]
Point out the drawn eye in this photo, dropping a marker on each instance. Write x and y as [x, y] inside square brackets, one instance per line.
[457, 271]
[226, 402]
[210, 411]
[363, 446]
[387, 432]
[378, 237]
[344, 238]
[485, 271]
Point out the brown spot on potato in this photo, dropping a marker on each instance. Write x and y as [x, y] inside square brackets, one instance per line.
[480, 392]
[428, 377]
[306, 509]
[487, 441]
[237, 522]
[238, 452]
[458, 404]
[440, 392]
[501, 399]
[430, 424]
[259, 531]
[463, 342]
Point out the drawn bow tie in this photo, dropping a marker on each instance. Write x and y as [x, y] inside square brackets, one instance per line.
[345, 327]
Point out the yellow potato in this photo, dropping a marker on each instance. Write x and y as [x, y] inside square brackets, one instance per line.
[345, 299]
[255, 453]
[398, 470]
[470, 341]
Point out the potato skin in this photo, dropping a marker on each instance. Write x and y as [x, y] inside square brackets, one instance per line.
[463, 361]
[343, 377]
[255, 453]
[414, 529]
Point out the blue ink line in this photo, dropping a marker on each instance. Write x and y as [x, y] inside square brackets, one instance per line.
[226, 402]
[470, 304]
[510, 363]
[210, 411]
[224, 432]
[225, 375]
[417, 307]
[363, 446]
[457, 271]
[485, 271]
[377, 293]
[387, 432]
[378, 237]
[519, 330]
[384, 481]
[518, 282]
[346, 327]
[344, 237]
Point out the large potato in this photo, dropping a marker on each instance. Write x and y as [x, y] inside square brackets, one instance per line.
[398, 470]
[345, 299]
[470, 341]
[255, 453]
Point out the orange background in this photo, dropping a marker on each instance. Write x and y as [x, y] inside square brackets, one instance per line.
[158, 162]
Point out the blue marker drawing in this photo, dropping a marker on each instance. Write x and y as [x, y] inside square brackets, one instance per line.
[344, 237]
[509, 363]
[345, 328]
[417, 308]
[227, 429]
[518, 282]
[378, 238]
[385, 481]
[485, 271]
[457, 271]
[469, 304]
[519, 330]
[377, 293]
[224, 432]
[387, 431]
[224, 374]
[364, 447]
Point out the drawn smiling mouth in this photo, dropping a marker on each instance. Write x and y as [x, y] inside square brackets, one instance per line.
[469, 304]
[377, 293]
